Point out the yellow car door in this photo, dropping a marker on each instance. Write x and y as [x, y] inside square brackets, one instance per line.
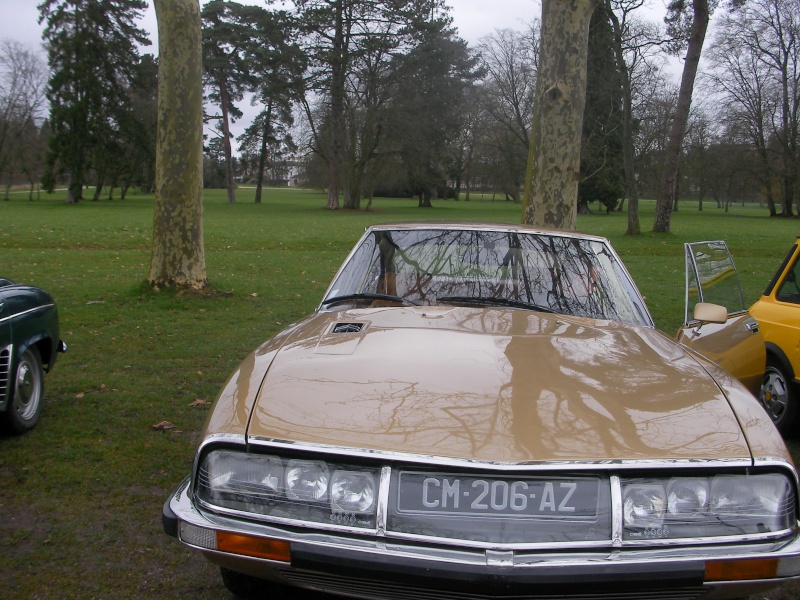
[778, 313]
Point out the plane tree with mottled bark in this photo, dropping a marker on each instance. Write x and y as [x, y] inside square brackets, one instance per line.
[178, 255]
[551, 181]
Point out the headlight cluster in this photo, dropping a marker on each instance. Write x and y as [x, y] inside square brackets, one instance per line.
[689, 507]
[307, 490]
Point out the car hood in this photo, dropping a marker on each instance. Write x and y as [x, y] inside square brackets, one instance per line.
[493, 385]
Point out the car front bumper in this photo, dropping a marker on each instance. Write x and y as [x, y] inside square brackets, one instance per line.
[365, 567]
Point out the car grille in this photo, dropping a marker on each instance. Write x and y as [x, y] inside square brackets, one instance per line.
[387, 590]
[5, 375]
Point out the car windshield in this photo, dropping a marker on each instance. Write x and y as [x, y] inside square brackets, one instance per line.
[550, 273]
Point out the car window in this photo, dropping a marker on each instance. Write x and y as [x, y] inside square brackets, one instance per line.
[561, 274]
[711, 277]
[790, 288]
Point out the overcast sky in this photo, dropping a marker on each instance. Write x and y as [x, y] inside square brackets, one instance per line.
[474, 18]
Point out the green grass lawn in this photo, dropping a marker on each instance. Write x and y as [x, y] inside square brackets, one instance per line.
[81, 495]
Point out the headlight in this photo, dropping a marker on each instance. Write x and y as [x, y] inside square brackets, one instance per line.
[644, 505]
[687, 497]
[307, 480]
[699, 507]
[288, 489]
[353, 492]
[234, 473]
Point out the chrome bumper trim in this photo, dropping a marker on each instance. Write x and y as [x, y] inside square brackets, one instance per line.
[179, 509]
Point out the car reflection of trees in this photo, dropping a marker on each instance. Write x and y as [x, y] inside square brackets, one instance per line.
[546, 416]
[717, 274]
[558, 274]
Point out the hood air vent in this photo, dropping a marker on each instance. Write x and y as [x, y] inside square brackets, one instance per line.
[347, 327]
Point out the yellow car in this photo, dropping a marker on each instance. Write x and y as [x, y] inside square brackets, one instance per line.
[778, 314]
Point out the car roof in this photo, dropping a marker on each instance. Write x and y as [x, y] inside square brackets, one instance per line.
[502, 227]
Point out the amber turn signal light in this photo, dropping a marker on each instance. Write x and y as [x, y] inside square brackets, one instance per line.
[741, 570]
[257, 547]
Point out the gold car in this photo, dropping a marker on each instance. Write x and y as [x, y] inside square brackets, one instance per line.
[488, 412]
[778, 313]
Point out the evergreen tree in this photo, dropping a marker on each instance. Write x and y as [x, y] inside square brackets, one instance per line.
[92, 51]
[429, 107]
[231, 34]
[602, 168]
[276, 64]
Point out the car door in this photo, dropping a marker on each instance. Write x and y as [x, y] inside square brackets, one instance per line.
[733, 340]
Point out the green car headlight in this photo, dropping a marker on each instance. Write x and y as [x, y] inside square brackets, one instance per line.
[275, 487]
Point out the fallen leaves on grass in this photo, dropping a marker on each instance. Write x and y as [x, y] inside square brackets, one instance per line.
[102, 388]
[198, 402]
[163, 426]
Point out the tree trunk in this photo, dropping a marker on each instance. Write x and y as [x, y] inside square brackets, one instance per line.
[338, 67]
[676, 194]
[766, 170]
[669, 178]
[98, 188]
[262, 154]
[788, 188]
[425, 200]
[551, 182]
[353, 189]
[74, 192]
[178, 256]
[224, 100]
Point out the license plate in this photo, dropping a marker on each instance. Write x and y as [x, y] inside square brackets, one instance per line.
[519, 497]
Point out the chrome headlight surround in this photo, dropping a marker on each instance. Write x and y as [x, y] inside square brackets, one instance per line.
[292, 489]
[691, 507]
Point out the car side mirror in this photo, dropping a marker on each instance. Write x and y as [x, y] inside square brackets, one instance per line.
[710, 313]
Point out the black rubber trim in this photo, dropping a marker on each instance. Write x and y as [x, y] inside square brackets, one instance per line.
[497, 579]
[780, 356]
[774, 281]
[169, 520]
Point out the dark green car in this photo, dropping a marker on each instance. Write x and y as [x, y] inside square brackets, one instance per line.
[29, 344]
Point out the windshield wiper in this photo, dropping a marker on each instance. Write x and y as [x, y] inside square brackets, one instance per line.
[489, 301]
[369, 296]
